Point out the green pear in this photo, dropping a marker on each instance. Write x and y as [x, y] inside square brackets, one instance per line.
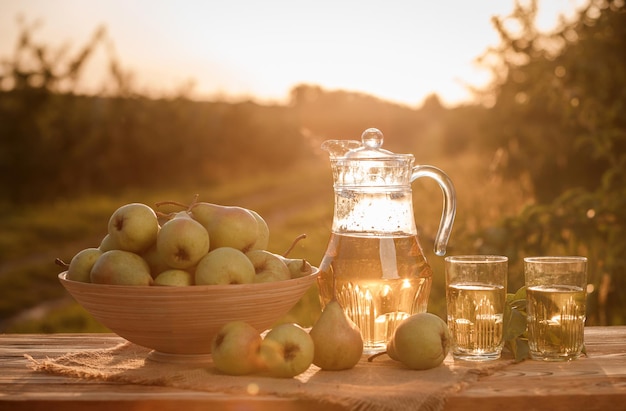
[224, 265]
[120, 268]
[337, 340]
[235, 348]
[155, 260]
[133, 227]
[82, 263]
[182, 241]
[174, 277]
[421, 341]
[298, 267]
[268, 266]
[228, 226]
[286, 351]
[263, 235]
[108, 244]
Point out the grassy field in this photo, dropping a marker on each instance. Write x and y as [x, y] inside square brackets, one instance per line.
[294, 202]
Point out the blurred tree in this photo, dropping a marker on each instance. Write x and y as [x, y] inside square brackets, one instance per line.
[340, 114]
[558, 115]
[30, 82]
[57, 143]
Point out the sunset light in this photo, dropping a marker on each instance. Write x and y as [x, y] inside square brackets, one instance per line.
[246, 204]
[397, 50]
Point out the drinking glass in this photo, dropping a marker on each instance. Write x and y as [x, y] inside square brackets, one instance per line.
[476, 295]
[555, 297]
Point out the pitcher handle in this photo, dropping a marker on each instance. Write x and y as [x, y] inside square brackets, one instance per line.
[449, 203]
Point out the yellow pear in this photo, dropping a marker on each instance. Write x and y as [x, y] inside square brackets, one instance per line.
[182, 241]
[228, 226]
[337, 340]
[421, 341]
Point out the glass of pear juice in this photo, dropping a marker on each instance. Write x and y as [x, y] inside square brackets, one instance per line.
[556, 306]
[475, 297]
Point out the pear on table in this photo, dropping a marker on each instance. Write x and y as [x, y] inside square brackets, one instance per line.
[238, 349]
[235, 349]
[286, 351]
[420, 342]
[337, 339]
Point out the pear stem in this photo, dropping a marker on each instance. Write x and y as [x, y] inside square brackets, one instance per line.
[373, 356]
[176, 203]
[193, 203]
[293, 244]
[61, 263]
[163, 215]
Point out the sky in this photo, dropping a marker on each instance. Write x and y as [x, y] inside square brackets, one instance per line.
[397, 50]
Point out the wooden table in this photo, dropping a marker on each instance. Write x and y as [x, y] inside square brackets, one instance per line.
[596, 382]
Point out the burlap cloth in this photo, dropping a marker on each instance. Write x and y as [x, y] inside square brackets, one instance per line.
[382, 384]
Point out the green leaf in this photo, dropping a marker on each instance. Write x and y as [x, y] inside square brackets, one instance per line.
[520, 294]
[522, 351]
[515, 325]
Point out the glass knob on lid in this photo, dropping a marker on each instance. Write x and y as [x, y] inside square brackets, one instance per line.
[371, 146]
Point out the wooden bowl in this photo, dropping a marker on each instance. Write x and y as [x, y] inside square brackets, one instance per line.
[183, 320]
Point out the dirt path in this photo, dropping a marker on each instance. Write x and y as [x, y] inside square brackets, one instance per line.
[36, 313]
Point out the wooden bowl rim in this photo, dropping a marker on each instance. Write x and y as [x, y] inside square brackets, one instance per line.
[157, 289]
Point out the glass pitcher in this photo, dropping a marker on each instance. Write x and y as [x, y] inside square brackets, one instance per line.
[374, 262]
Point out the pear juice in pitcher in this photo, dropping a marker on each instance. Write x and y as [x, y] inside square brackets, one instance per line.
[374, 264]
[379, 282]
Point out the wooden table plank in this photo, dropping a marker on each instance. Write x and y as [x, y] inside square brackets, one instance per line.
[24, 389]
[597, 382]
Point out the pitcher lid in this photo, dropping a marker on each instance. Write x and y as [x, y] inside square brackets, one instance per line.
[370, 146]
[366, 164]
